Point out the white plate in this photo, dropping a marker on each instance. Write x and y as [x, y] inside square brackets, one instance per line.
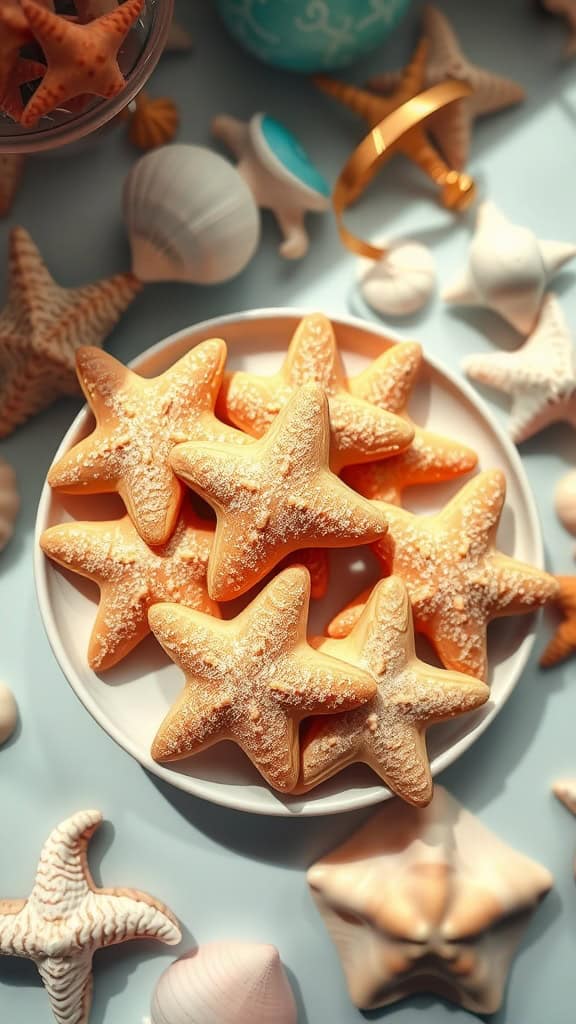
[129, 702]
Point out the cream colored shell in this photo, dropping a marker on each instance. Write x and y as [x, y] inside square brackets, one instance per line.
[401, 282]
[565, 501]
[9, 502]
[8, 713]
[225, 983]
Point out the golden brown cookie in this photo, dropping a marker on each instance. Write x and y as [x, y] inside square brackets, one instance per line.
[252, 679]
[457, 580]
[388, 733]
[275, 495]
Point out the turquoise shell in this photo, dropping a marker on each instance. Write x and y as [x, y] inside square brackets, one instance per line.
[310, 35]
[286, 148]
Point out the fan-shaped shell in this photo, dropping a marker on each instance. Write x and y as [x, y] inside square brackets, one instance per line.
[283, 157]
[155, 122]
[225, 983]
[565, 501]
[9, 502]
[190, 216]
[8, 713]
[401, 281]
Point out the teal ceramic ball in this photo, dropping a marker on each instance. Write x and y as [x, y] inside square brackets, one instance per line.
[310, 35]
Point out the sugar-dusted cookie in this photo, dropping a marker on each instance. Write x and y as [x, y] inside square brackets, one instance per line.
[132, 577]
[252, 679]
[138, 422]
[66, 919]
[388, 733]
[427, 900]
[457, 580]
[275, 495]
[430, 459]
[359, 430]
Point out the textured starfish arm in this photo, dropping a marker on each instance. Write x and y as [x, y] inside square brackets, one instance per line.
[443, 695]
[341, 517]
[215, 472]
[328, 746]
[197, 720]
[278, 615]
[362, 431]
[204, 654]
[274, 750]
[474, 513]
[313, 355]
[460, 647]
[116, 915]
[153, 498]
[12, 927]
[121, 624]
[389, 380]
[320, 684]
[90, 467]
[344, 621]
[195, 379]
[69, 985]
[495, 369]
[561, 646]
[251, 403]
[521, 587]
[77, 546]
[102, 378]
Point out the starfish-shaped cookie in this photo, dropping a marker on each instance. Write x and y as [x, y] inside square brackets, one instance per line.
[82, 59]
[427, 900]
[275, 495]
[388, 733]
[452, 127]
[540, 376]
[508, 269]
[359, 431]
[138, 422]
[66, 919]
[42, 327]
[563, 643]
[252, 679]
[565, 9]
[457, 580]
[132, 577]
[430, 459]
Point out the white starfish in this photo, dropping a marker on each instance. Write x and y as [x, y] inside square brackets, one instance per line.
[540, 376]
[66, 919]
[508, 269]
[565, 790]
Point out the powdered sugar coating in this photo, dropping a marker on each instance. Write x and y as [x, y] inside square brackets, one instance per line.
[388, 733]
[252, 679]
[457, 580]
[275, 495]
[132, 577]
[138, 423]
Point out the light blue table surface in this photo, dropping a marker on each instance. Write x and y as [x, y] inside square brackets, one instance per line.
[226, 874]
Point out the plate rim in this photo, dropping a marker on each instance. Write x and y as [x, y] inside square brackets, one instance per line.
[249, 803]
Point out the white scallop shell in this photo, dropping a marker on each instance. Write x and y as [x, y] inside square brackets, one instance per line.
[9, 502]
[565, 501]
[190, 216]
[401, 281]
[225, 983]
[8, 713]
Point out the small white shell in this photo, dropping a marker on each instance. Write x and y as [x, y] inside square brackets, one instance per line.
[399, 283]
[225, 983]
[9, 502]
[190, 216]
[565, 501]
[8, 713]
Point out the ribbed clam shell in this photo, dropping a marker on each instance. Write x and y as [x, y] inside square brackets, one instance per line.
[565, 501]
[9, 502]
[8, 713]
[225, 983]
[401, 281]
[190, 216]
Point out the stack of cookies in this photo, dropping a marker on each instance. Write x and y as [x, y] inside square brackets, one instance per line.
[292, 465]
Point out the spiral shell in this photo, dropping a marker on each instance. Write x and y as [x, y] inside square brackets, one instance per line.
[565, 501]
[225, 983]
[8, 713]
[190, 216]
[9, 502]
[401, 281]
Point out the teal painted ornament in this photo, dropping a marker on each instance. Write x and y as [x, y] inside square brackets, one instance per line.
[310, 35]
[279, 173]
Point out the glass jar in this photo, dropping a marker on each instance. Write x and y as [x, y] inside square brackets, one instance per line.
[138, 57]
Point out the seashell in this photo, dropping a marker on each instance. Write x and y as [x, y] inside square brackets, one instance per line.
[279, 172]
[508, 269]
[401, 281]
[8, 713]
[565, 501]
[9, 502]
[155, 122]
[225, 983]
[190, 217]
[427, 900]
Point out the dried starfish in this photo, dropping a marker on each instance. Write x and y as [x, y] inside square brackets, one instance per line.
[452, 127]
[14, 34]
[23, 71]
[43, 325]
[133, 577]
[275, 495]
[252, 679]
[388, 733]
[66, 919]
[563, 643]
[430, 459]
[540, 376]
[82, 59]
[457, 579]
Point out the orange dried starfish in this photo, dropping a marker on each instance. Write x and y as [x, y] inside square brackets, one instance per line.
[563, 643]
[81, 58]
